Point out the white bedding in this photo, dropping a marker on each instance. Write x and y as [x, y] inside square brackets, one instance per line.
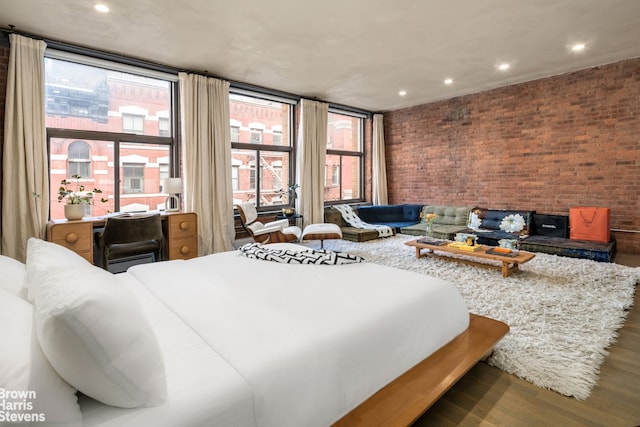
[202, 389]
[271, 344]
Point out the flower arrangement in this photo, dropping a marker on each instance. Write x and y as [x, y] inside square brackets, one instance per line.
[75, 193]
[429, 219]
[512, 223]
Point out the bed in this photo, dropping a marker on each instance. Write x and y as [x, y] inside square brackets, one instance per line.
[233, 341]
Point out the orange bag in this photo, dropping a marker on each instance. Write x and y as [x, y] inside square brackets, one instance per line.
[587, 223]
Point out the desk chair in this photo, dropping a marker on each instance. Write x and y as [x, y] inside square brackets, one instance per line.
[272, 232]
[127, 236]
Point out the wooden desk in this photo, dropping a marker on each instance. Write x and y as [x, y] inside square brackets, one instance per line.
[180, 231]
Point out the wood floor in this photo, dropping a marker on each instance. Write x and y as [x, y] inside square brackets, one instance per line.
[487, 396]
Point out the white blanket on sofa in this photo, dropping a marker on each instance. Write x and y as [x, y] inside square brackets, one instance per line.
[355, 221]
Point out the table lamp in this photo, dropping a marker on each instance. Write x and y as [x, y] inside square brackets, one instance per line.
[173, 187]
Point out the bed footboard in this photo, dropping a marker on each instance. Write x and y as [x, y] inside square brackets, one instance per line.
[404, 400]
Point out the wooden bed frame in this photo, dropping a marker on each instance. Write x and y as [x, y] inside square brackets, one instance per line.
[404, 400]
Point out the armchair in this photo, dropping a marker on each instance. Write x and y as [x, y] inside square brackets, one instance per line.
[271, 232]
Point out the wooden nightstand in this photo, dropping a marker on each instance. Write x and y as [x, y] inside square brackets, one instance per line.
[75, 235]
[182, 235]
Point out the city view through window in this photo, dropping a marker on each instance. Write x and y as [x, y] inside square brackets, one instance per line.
[114, 130]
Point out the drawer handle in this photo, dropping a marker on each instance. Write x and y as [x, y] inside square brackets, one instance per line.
[185, 250]
[184, 226]
[71, 238]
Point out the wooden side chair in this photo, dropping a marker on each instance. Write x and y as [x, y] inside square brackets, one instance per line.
[271, 232]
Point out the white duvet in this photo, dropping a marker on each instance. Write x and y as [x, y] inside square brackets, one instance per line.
[295, 345]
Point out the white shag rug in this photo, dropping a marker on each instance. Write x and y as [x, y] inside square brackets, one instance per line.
[563, 312]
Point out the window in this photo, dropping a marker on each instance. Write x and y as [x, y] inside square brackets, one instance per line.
[133, 175]
[252, 174]
[277, 137]
[133, 124]
[235, 178]
[235, 134]
[79, 159]
[95, 118]
[262, 166]
[343, 168]
[256, 136]
[335, 173]
[164, 127]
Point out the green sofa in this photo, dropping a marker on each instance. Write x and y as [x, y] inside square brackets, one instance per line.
[449, 220]
[348, 233]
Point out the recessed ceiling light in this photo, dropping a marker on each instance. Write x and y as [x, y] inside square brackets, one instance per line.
[101, 8]
[402, 93]
[504, 66]
[448, 81]
[578, 47]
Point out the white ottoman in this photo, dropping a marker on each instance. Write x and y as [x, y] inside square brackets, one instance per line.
[321, 232]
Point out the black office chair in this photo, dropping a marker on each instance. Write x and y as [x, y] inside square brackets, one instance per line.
[128, 236]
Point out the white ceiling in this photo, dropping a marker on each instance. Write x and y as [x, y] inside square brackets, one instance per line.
[358, 53]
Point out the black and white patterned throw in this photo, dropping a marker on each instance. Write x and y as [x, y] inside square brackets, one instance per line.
[310, 256]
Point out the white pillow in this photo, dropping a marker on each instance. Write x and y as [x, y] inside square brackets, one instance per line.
[46, 398]
[93, 330]
[42, 256]
[12, 275]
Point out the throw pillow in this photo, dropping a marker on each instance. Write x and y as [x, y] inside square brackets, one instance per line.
[474, 221]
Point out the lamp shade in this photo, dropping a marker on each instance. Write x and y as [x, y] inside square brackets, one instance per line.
[173, 185]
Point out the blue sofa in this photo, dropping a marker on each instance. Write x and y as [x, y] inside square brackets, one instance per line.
[550, 234]
[395, 216]
[490, 233]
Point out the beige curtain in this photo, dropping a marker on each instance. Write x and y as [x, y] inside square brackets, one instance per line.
[206, 136]
[312, 149]
[25, 184]
[379, 166]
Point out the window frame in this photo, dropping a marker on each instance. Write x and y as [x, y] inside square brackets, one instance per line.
[359, 154]
[117, 138]
[258, 148]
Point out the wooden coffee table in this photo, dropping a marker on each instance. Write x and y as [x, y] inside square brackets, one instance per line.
[507, 264]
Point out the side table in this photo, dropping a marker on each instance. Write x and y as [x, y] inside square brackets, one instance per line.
[293, 219]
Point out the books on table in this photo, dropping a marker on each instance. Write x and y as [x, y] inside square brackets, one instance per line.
[464, 247]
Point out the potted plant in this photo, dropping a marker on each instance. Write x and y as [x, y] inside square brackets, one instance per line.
[75, 197]
[291, 196]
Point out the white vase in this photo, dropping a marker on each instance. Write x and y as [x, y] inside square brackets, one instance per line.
[72, 212]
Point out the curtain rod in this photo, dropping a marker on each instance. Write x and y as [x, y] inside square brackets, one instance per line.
[113, 57]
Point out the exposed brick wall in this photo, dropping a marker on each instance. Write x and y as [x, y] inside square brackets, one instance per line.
[546, 145]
